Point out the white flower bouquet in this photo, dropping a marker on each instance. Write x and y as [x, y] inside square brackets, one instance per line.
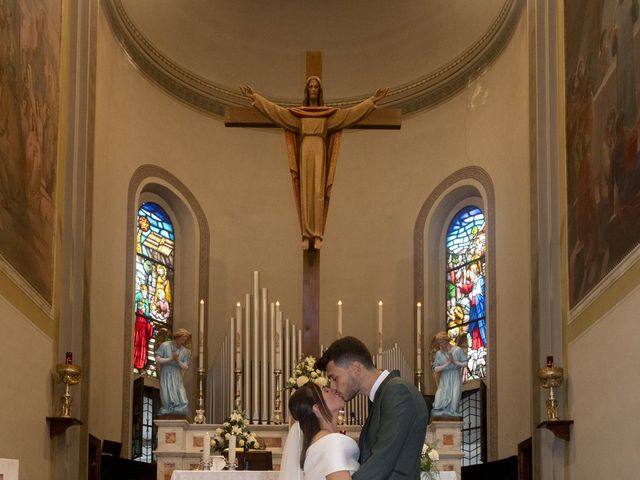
[236, 425]
[428, 459]
[305, 371]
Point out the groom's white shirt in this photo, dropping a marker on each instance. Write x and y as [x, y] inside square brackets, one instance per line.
[376, 384]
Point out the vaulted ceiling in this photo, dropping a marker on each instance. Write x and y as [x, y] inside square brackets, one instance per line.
[201, 50]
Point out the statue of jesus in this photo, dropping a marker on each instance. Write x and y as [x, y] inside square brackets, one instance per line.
[313, 133]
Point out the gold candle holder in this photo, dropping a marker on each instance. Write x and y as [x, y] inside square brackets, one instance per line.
[200, 417]
[277, 413]
[551, 377]
[69, 374]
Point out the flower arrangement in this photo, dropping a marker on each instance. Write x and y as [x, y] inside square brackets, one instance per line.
[236, 425]
[428, 459]
[305, 371]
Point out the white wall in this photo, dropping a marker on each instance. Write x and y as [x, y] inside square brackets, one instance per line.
[27, 392]
[603, 387]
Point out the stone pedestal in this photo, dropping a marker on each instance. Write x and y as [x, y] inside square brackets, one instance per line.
[446, 434]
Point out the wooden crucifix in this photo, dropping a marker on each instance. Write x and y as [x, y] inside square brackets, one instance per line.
[313, 133]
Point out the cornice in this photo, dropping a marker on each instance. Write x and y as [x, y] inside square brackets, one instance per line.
[423, 93]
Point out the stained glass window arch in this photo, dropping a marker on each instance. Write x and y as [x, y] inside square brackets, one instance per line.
[154, 287]
[465, 254]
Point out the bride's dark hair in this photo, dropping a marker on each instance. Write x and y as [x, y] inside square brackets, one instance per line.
[301, 407]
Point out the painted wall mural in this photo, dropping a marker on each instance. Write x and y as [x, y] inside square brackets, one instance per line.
[29, 106]
[602, 58]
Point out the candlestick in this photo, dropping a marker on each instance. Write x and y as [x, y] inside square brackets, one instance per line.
[277, 341]
[238, 336]
[206, 449]
[201, 336]
[419, 335]
[232, 450]
[339, 318]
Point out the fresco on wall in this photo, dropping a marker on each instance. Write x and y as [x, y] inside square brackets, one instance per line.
[29, 103]
[602, 43]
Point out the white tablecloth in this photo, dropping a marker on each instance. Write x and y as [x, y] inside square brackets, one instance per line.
[225, 475]
[443, 476]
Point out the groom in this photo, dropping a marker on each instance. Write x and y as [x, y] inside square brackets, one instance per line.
[392, 437]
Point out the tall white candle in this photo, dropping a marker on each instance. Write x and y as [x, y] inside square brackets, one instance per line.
[419, 335]
[232, 449]
[379, 356]
[300, 352]
[246, 396]
[238, 337]
[339, 318]
[206, 448]
[201, 336]
[277, 341]
[263, 365]
[294, 347]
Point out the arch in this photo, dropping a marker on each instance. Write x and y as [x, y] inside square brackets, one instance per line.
[468, 186]
[152, 183]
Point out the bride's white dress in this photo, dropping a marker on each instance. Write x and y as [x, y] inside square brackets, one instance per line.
[332, 453]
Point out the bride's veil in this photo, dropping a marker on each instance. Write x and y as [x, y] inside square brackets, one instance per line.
[290, 463]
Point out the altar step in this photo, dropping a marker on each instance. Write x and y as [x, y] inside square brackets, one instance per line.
[180, 443]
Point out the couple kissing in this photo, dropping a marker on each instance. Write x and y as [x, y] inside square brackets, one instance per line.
[391, 439]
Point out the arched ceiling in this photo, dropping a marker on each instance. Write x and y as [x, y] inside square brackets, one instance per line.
[201, 50]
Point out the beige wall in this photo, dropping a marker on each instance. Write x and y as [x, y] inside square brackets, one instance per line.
[27, 393]
[603, 395]
[241, 180]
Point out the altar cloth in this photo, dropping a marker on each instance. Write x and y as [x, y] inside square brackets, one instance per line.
[224, 475]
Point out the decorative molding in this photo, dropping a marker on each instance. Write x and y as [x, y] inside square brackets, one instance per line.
[480, 183]
[607, 282]
[425, 92]
[144, 176]
[28, 289]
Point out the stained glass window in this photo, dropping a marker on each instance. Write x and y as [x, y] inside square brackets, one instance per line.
[465, 287]
[153, 306]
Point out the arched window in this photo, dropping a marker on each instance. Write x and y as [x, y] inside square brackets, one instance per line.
[155, 252]
[465, 254]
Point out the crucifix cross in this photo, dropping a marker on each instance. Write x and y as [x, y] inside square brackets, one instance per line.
[312, 132]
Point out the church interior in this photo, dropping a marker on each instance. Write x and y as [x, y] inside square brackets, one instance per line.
[519, 112]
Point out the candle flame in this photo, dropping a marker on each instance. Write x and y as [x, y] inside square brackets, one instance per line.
[339, 302]
[380, 302]
[277, 303]
[201, 301]
[419, 304]
[238, 304]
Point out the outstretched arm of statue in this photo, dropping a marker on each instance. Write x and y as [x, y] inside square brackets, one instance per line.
[248, 92]
[380, 94]
[279, 115]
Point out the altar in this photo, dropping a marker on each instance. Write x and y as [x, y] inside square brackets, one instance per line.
[224, 475]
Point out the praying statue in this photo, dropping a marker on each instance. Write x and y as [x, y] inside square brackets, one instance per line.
[449, 362]
[172, 358]
[313, 133]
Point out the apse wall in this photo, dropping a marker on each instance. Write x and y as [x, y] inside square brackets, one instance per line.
[27, 393]
[240, 178]
[603, 394]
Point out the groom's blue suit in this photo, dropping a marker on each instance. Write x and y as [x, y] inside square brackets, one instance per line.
[392, 437]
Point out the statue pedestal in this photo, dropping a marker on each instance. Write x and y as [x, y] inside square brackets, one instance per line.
[446, 433]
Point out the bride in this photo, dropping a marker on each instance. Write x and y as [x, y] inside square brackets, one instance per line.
[314, 447]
